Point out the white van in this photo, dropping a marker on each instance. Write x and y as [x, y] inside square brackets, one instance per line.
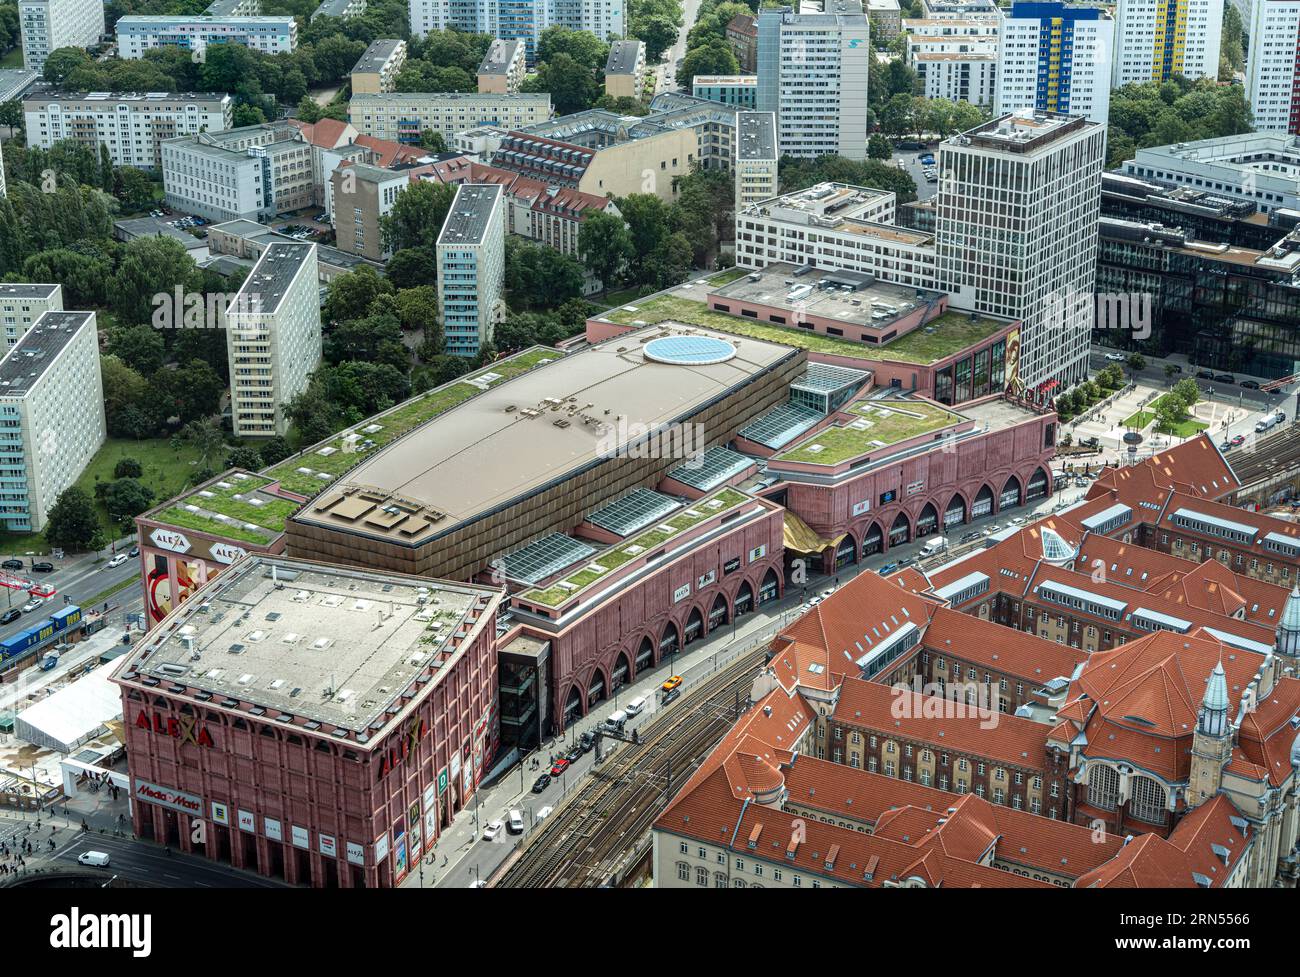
[616, 720]
[515, 822]
[636, 705]
[933, 545]
[1270, 422]
[97, 858]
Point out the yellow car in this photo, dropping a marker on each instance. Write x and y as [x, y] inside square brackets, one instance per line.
[672, 683]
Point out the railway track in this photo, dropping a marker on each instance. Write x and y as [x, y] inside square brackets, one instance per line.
[1268, 456]
[586, 842]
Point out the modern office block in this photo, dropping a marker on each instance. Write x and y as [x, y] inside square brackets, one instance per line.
[738, 90]
[812, 72]
[471, 268]
[1055, 57]
[132, 125]
[248, 172]
[51, 415]
[362, 194]
[1016, 234]
[1261, 168]
[48, 25]
[273, 338]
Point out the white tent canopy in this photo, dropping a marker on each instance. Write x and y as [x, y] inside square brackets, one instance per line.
[73, 715]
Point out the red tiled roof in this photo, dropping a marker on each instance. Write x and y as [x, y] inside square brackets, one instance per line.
[326, 133]
[1195, 467]
[1015, 652]
[1268, 735]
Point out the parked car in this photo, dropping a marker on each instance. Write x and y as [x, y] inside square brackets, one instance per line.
[887, 569]
[559, 766]
[671, 683]
[12, 614]
[135, 551]
[96, 858]
[1224, 378]
[515, 821]
[667, 697]
[1249, 384]
[1115, 357]
[1205, 374]
[574, 754]
[586, 742]
[1237, 440]
[541, 783]
[478, 884]
[42, 567]
[635, 707]
[13, 564]
[975, 534]
[492, 829]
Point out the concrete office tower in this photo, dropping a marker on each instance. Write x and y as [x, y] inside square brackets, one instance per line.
[1157, 39]
[377, 69]
[22, 305]
[1055, 58]
[132, 125]
[1273, 65]
[51, 415]
[48, 25]
[471, 268]
[812, 72]
[756, 158]
[1016, 233]
[273, 338]
[503, 68]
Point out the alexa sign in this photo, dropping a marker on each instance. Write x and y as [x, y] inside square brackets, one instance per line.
[183, 728]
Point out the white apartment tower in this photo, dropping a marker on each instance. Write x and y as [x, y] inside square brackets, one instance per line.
[1054, 57]
[1273, 65]
[1016, 234]
[21, 305]
[1157, 39]
[132, 125]
[812, 72]
[51, 416]
[273, 338]
[48, 25]
[471, 267]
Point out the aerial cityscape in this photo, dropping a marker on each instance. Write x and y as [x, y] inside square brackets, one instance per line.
[649, 444]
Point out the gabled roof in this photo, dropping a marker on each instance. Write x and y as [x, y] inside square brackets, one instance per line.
[1195, 467]
[1019, 653]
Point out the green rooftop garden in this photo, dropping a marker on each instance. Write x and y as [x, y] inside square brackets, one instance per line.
[885, 424]
[952, 331]
[266, 519]
[400, 420]
[611, 559]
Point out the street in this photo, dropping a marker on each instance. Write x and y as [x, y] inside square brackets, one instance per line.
[665, 73]
[78, 578]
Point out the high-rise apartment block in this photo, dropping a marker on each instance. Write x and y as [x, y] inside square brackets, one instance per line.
[270, 35]
[21, 305]
[471, 268]
[273, 338]
[1055, 57]
[1157, 39]
[1273, 65]
[51, 415]
[132, 125]
[756, 158]
[48, 25]
[377, 69]
[812, 72]
[1016, 233]
[503, 68]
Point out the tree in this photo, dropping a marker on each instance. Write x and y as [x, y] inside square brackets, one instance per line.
[572, 86]
[140, 347]
[1136, 363]
[658, 32]
[206, 437]
[150, 267]
[189, 392]
[124, 388]
[878, 147]
[417, 216]
[126, 498]
[11, 114]
[1187, 392]
[275, 450]
[72, 524]
[1171, 371]
[351, 295]
[128, 468]
[649, 220]
[670, 263]
[412, 267]
[715, 58]
[433, 141]
[583, 47]
[605, 246]
[245, 457]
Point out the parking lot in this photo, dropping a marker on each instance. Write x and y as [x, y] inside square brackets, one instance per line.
[910, 160]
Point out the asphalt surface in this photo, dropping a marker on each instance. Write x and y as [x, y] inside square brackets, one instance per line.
[910, 158]
[77, 578]
[666, 71]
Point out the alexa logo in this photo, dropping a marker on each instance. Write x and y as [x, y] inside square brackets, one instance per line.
[76, 930]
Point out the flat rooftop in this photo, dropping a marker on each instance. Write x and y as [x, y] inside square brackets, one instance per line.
[831, 203]
[1023, 133]
[139, 99]
[233, 506]
[26, 291]
[321, 644]
[623, 57]
[40, 346]
[756, 135]
[872, 304]
[538, 430]
[377, 54]
[265, 287]
[500, 55]
[876, 425]
[146, 21]
[471, 211]
[364, 99]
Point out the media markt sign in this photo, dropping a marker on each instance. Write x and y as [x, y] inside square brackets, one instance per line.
[168, 797]
[169, 539]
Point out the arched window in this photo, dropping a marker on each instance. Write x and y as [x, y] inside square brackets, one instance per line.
[1103, 787]
[1149, 802]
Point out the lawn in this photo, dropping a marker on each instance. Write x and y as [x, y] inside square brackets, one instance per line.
[166, 472]
[952, 332]
[266, 516]
[888, 425]
[605, 563]
[12, 58]
[1186, 429]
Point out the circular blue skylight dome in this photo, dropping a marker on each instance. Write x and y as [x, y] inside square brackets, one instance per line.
[689, 350]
